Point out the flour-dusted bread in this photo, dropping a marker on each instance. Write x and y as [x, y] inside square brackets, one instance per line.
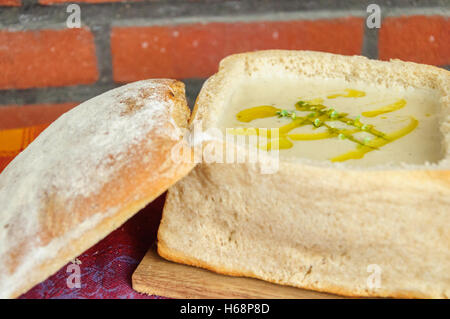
[85, 175]
[380, 230]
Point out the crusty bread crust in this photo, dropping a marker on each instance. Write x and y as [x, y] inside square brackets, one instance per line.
[180, 257]
[236, 222]
[131, 131]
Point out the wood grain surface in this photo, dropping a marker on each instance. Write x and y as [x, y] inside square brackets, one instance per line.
[157, 276]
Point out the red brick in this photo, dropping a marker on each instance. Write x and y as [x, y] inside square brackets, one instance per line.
[48, 2]
[10, 3]
[12, 116]
[194, 50]
[423, 39]
[43, 58]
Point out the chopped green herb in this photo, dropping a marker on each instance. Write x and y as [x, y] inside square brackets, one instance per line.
[283, 113]
[334, 114]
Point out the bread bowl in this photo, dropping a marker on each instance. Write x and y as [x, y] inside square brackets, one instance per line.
[330, 222]
[85, 175]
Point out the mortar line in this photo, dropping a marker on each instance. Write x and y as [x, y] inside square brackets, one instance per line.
[55, 16]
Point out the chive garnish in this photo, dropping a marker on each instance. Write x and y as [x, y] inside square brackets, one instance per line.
[319, 116]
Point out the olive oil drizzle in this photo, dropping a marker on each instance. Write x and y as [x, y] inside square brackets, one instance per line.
[378, 142]
[320, 116]
[348, 93]
[386, 109]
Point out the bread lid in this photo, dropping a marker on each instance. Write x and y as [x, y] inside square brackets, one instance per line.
[85, 175]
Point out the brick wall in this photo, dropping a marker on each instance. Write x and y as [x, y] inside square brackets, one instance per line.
[43, 63]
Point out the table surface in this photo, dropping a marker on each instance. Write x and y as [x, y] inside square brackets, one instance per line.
[106, 268]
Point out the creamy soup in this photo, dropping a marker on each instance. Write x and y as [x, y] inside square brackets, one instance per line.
[325, 119]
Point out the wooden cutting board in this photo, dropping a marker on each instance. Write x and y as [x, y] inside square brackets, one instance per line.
[157, 276]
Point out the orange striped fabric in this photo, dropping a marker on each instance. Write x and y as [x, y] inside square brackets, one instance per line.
[14, 141]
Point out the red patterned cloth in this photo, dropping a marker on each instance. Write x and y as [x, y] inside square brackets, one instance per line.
[105, 268]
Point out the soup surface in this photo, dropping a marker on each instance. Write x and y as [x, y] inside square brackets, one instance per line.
[327, 119]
